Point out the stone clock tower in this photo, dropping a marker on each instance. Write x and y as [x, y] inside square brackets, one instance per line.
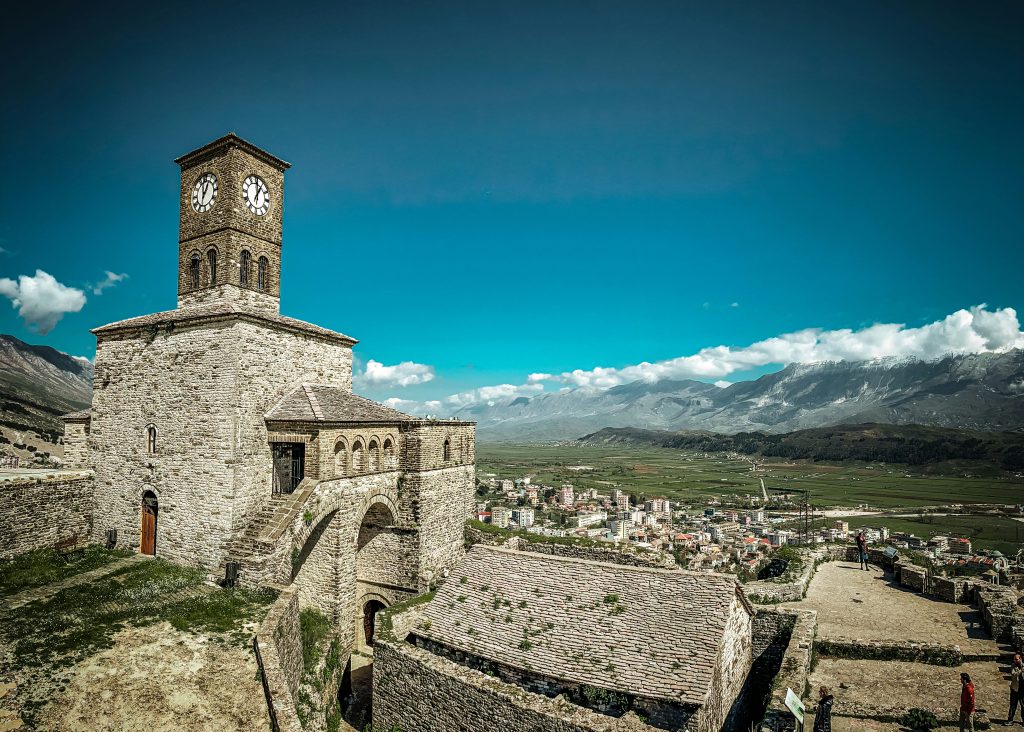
[229, 242]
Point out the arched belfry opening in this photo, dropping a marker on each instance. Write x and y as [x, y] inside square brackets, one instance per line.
[150, 509]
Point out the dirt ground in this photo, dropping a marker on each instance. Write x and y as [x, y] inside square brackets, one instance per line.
[157, 678]
[852, 603]
[888, 684]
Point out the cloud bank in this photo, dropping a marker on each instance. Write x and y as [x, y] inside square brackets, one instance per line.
[41, 300]
[974, 330]
[405, 373]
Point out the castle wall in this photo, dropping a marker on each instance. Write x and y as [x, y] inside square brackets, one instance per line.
[734, 663]
[183, 381]
[36, 513]
[445, 502]
[272, 363]
[76, 448]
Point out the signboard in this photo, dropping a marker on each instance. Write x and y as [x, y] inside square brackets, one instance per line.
[794, 705]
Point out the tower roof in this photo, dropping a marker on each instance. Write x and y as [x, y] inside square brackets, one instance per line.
[230, 140]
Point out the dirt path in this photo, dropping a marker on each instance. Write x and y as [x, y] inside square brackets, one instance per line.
[157, 678]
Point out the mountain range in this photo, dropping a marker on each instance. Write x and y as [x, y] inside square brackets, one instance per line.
[37, 385]
[976, 391]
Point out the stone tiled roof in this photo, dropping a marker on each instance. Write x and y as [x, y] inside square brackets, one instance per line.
[219, 311]
[317, 403]
[72, 416]
[654, 633]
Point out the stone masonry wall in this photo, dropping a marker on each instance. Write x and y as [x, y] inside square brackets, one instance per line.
[623, 554]
[734, 663]
[445, 500]
[205, 388]
[76, 449]
[36, 513]
[793, 672]
[278, 646]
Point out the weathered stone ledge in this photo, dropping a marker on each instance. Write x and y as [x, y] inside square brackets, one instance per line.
[278, 647]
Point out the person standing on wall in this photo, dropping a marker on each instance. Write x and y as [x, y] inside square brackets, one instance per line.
[862, 550]
[967, 704]
[1016, 689]
[823, 715]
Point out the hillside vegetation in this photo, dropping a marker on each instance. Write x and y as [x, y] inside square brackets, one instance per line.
[907, 444]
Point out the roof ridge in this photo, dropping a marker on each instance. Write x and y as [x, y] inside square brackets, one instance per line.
[314, 404]
[577, 560]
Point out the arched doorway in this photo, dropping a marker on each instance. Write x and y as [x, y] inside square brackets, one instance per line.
[370, 611]
[150, 507]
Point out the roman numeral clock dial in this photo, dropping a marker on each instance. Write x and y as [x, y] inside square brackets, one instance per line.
[254, 191]
[204, 193]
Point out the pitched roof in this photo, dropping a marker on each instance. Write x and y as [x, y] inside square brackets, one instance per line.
[317, 403]
[650, 632]
[222, 311]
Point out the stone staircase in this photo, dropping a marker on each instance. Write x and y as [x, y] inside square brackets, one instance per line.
[259, 540]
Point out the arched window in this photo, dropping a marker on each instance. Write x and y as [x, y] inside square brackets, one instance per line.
[340, 457]
[243, 268]
[193, 272]
[151, 440]
[262, 275]
[374, 451]
[357, 458]
[211, 260]
[390, 462]
[447, 451]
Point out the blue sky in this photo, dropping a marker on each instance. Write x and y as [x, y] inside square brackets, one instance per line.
[498, 189]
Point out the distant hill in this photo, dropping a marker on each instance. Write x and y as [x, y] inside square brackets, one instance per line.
[979, 391]
[37, 385]
[908, 444]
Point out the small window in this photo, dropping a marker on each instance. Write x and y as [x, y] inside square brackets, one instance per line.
[193, 272]
[261, 282]
[151, 440]
[211, 257]
[447, 452]
[243, 268]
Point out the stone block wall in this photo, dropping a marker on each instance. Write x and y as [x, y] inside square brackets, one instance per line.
[445, 502]
[949, 589]
[278, 647]
[769, 592]
[424, 445]
[793, 672]
[914, 577]
[76, 450]
[36, 513]
[205, 387]
[734, 665]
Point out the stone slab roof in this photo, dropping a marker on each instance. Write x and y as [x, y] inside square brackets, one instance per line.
[318, 403]
[77, 416]
[222, 311]
[653, 633]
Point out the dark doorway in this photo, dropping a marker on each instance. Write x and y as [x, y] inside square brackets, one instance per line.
[150, 507]
[289, 465]
[370, 611]
[345, 690]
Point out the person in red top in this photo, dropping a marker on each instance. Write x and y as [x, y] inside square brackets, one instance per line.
[966, 703]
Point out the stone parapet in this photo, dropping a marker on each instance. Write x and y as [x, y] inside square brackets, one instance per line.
[935, 654]
[278, 647]
[38, 512]
[772, 591]
[793, 673]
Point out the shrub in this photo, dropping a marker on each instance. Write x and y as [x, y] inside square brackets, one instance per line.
[920, 719]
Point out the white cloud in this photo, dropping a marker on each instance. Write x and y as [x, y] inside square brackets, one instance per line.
[405, 373]
[109, 280]
[734, 305]
[975, 330]
[41, 300]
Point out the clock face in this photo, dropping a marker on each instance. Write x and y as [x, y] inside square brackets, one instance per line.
[204, 193]
[254, 191]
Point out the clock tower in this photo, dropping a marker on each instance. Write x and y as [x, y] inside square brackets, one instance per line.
[229, 236]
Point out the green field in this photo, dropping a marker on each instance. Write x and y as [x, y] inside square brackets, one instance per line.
[693, 477]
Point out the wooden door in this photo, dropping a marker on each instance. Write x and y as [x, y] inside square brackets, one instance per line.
[148, 545]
